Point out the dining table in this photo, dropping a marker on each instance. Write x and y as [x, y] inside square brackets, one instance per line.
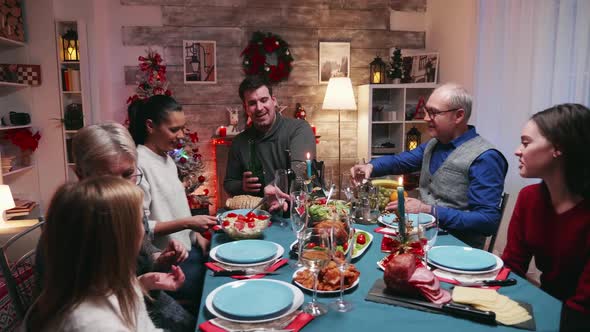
[372, 316]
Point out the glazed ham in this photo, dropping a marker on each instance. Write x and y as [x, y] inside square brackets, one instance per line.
[402, 276]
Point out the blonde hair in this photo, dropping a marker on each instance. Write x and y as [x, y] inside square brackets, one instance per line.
[90, 240]
[95, 146]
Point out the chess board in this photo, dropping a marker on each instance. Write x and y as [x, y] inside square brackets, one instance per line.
[24, 74]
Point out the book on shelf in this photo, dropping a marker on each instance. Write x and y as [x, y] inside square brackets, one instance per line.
[70, 79]
[23, 208]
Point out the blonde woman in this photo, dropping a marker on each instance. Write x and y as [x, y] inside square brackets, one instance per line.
[91, 237]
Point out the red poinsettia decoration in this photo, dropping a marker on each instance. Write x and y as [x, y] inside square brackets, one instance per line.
[24, 138]
[151, 79]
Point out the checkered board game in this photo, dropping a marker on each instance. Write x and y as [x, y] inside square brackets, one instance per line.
[25, 74]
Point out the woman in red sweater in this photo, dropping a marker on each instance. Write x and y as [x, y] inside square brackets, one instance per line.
[551, 220]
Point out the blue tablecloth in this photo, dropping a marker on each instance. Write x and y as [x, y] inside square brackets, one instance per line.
[371, 316]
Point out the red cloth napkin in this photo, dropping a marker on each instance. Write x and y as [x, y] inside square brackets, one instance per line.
[502, 275]
[297, 324]
[272, 268]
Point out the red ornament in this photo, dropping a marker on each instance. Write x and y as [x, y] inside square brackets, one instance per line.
[206, 191]
[201, 179]
[178, 145]
[182, 160]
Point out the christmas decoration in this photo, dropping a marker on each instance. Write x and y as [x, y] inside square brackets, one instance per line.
[23, 138]
[151, 78]
[189, 164]
[300, 112]
[396, 71]
[268, 55]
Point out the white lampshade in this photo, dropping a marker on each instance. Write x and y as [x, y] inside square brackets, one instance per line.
[6, 201]
[339, 95]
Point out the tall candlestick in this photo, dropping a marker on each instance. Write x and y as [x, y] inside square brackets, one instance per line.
[308, 162]
[401, 210]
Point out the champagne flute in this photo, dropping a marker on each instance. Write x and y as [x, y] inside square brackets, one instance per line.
[299, 216]
[428, 228]
[281, 184]
[342, 254]
[315, 255]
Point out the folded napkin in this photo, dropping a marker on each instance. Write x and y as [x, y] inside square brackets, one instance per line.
[275, 266]
[294, 321]
[448, 277]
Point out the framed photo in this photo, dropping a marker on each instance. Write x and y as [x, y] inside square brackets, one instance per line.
[334, 60]
[200, 62]
[420, 68]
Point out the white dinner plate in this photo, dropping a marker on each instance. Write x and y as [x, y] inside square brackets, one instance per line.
[297, 301]
[390, 219]
[320, 291]
[280, 252]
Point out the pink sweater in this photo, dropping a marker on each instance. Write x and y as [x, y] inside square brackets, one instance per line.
[560, 244]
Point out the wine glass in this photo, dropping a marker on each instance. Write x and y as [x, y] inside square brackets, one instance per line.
[348, 186]
[342, 248]
[281, 184]
[428, 229]
[315, 255]
[299, 217]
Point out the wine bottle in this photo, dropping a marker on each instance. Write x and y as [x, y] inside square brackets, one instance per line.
[290, 172]
[255, 166]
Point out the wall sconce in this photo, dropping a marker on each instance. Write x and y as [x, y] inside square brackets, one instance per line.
[70, 46]
[377, 71]
[413, 139]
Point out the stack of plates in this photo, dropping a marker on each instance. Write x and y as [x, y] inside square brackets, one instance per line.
[274, 299]
[390, 220]
[247, 252]
[464, 260]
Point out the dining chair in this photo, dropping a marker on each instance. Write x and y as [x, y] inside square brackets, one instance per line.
[503, 202]
[19, 275]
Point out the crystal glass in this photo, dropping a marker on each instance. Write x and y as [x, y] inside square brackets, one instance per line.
[348, 186]
[299, 217]
[315, 255]
[428, 230]
[342, 247]
[281, 184]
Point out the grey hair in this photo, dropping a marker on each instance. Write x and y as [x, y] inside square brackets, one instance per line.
[96, 145]
[457, 97]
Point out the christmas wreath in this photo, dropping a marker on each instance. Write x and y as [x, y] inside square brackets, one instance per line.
[267, 54]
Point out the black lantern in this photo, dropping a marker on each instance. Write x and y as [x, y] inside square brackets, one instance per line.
[70, 46]
[377, 71]
[413, 138]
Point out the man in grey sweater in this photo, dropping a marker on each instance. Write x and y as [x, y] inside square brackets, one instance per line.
[257, 152]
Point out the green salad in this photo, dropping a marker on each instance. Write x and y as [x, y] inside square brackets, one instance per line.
[319, 211]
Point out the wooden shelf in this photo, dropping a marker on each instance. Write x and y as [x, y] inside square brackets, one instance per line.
[73, 92]
[415, 121]
[388, 122]
[71, 164]
[14, 127]
[18, 170]
[69, 62]
[9, 43]
[71, 131]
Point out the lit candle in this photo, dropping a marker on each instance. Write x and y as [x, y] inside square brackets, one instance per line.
[308, 162]
[314, 130]
[222, 131]
[377, 77]
[401, 209]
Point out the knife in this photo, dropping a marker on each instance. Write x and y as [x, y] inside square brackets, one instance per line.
[228, 273]
[453, 309]
[507, 282]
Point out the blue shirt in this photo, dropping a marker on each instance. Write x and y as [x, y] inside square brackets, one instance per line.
[486, 183]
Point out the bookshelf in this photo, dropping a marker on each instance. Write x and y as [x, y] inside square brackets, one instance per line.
[73, 82]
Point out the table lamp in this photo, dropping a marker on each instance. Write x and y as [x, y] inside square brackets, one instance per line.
[339, 96]
[6, 201]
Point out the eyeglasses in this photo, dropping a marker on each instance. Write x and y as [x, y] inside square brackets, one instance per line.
[135, 178]
[432, 113]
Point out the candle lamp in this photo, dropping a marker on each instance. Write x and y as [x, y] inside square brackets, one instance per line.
[377, 71]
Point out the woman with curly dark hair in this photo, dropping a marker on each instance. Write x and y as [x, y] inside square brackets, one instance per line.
[551, 219]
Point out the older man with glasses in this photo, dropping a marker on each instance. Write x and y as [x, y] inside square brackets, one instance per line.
[462, 174]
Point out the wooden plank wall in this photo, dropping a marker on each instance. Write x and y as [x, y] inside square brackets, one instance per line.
[303, 24]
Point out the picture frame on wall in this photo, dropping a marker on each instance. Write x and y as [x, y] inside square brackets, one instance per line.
[420, 68]
[200, 61]
[334, 60]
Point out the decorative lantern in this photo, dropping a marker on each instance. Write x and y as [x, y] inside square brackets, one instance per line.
[377, 71]
[413, 138]
[70, 46]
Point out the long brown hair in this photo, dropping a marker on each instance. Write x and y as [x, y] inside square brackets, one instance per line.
[91, 238]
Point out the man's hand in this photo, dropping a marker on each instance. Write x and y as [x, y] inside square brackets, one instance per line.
[412, 205]
[201, 223]
[163, 281]
[360, 172]
[203, 243]
[250, 184]
[174, 253]
[271, 192]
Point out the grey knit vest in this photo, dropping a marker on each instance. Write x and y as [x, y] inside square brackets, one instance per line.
[449, 185]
